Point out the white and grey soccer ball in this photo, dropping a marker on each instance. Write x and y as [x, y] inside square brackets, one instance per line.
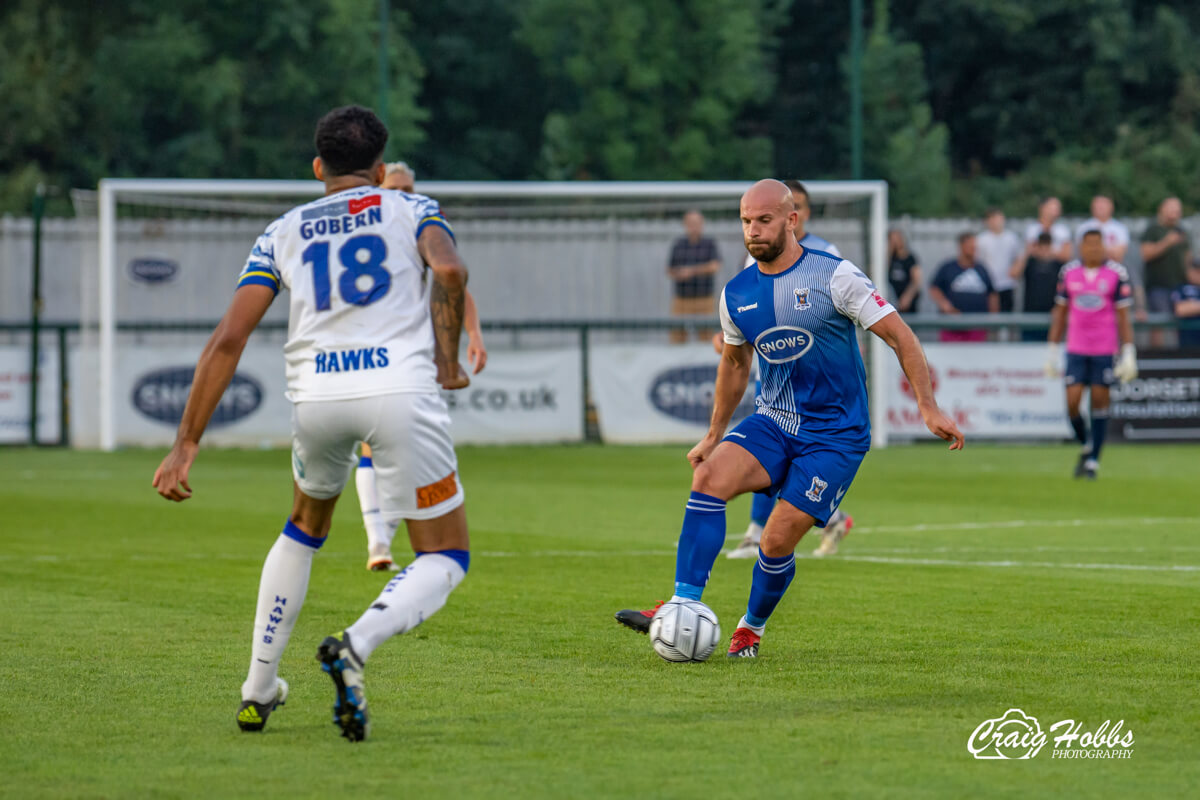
[685, 630]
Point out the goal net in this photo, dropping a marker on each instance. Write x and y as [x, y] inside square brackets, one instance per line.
[545, 258]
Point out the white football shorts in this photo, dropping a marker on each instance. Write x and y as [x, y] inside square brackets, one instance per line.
[416, 470]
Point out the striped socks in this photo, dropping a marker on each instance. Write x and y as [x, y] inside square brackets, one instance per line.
[772, 576]
[700, 543]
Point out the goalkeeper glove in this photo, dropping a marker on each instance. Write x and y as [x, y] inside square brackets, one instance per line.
[1053, 368]
[1126, 369]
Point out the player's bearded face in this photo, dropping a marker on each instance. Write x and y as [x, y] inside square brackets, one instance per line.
[767, 249]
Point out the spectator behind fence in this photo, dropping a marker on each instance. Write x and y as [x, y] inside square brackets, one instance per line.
[962, 286]
[1165, 253]
[999, 250]
[695, 261]
[1040, 273]
[1113, 232]
[1049, 210]
[904, 273]
[1185, 302]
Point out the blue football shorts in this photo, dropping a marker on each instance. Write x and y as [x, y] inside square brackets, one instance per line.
[1089, 370]
[812, 476]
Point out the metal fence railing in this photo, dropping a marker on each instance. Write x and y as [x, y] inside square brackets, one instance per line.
[65, 338]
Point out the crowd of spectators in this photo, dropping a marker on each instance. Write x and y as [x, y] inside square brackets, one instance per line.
[995, 270]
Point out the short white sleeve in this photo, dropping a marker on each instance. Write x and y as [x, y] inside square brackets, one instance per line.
[833, 250]
[260, 268]
[854, 296]
[733, 334]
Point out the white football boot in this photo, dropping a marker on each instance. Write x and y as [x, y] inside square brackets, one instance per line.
[834, 531]
[748, 547]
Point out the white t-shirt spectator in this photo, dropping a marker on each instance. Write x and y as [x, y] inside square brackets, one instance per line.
[1114, 233]
[997, 252]
[1060, 234]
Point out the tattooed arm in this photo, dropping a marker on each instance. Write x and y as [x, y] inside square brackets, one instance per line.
[445, 303]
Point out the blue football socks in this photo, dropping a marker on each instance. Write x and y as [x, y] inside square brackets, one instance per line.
[761, 506]
[772, 576]
[700, 543]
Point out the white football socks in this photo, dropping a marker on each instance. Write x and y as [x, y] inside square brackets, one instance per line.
[409, 599]
[758, 630]
[280, 597]
[379, 532]
[755, 532]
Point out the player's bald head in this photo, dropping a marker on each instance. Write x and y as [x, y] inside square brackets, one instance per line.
[768, 194]
[769, 220]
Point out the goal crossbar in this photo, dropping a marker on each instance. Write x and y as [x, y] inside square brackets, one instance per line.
[113, 190]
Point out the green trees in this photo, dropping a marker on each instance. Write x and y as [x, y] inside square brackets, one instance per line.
[967, 102]
[191, 89]
[1069, 97]
[901, 142]
[657, 89]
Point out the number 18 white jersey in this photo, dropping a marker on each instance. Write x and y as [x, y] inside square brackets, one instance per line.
[359, 322]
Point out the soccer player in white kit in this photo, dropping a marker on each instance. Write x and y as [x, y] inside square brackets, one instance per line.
[364, 362]
[380, 531]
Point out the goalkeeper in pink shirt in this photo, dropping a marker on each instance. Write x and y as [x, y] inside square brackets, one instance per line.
[1092, 306]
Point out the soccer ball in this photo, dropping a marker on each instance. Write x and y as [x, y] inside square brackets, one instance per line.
[685, 630]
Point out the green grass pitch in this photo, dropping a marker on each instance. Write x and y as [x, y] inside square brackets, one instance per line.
[973, 583]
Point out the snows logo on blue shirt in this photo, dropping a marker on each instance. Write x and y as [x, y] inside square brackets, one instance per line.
[783, 343]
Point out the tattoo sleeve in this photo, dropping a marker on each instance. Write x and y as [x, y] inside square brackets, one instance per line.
[446, 308]
[446, 295]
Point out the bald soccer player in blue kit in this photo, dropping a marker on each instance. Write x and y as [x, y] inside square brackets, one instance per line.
[811, 428]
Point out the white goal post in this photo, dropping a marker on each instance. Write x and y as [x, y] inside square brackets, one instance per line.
[113, 191]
